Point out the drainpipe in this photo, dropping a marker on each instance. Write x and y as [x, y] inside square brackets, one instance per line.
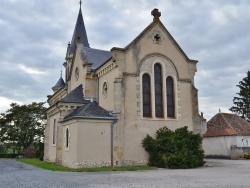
[112, 143]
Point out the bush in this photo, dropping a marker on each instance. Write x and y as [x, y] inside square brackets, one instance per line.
[246, 155]
[9, 155]
[41, 157]
[174, 149]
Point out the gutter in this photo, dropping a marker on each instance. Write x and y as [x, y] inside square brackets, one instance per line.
[89, 117]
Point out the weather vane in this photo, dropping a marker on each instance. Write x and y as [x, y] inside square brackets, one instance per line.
[80, 3]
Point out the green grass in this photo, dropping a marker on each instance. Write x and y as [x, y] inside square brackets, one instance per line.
[54, 167]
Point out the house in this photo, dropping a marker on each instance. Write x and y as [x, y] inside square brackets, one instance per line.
[110, 100]
[225, 130]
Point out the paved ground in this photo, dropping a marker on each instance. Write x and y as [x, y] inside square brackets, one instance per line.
[217, 174]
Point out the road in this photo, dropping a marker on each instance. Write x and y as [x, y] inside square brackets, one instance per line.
[216, 174]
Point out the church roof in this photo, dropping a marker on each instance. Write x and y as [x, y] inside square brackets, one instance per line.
[75, 96]
[90, 110]
[60, 83]
[97, 57]
[225, 124]
[79, 31]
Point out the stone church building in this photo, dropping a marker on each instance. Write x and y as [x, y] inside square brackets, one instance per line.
[109, 101]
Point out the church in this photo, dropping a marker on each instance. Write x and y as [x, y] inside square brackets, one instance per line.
[109, 100]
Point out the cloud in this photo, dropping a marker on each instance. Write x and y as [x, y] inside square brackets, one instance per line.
[34, 37]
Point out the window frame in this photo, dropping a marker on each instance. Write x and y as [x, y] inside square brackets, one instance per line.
[67, 138]
[170, 97]
[158, 91]
[148, 93]
[54, 133]
[149, 68]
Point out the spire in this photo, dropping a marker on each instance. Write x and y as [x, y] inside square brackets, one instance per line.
[60, 83]
[80, 4]
[79, 31]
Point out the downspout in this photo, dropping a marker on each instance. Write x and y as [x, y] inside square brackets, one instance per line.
[112, 143]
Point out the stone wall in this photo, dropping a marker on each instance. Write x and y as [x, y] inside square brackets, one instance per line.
[238, 152]
[91, 164]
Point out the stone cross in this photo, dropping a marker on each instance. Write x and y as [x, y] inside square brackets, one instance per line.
[156, 14]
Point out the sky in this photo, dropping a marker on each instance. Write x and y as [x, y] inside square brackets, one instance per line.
[34, 35]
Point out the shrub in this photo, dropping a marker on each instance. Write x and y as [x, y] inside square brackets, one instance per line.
[9, 155]
[29, 152]
[41, 157]
[174, 149]
[246, 155]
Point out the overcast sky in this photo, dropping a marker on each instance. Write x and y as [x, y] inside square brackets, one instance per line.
[34, 36]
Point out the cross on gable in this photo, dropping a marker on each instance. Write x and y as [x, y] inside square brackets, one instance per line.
[156, 14]
[157, 37]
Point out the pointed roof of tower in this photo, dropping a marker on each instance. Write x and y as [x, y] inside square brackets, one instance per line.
[79, 31]
[60, 83]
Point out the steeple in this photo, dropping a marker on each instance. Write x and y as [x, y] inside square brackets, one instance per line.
[60, 83]
[79, 31]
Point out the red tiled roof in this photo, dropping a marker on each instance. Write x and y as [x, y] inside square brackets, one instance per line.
[224, 124]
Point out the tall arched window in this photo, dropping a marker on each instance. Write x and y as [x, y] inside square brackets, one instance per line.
[67, 138]
[146, 95]
[170, 97]
[158, 90]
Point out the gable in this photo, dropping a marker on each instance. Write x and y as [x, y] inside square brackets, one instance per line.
[156, 40]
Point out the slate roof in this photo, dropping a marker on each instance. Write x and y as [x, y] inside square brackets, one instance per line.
[60, 83]
[75, 96]
[225, 124]
[79, 31]
[96, 57]
[90, 110]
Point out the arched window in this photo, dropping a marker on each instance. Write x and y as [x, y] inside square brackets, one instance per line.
[146, 95]
[67, 138]
[158, 90]
[170, 97]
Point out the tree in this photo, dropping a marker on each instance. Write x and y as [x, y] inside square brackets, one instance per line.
[242, 102]
[23, 125]
[174, 149]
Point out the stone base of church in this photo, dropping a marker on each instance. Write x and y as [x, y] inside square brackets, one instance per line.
[133, 163]
[74, 164]
[49, 159]
[92, 164]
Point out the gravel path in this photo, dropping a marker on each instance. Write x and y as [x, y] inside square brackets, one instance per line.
[216, 174]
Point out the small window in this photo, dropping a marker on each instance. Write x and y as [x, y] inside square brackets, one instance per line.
[67, 138]
[105, 89]
[170, 97]
[54, 132]
[146, 95]
[76, 73]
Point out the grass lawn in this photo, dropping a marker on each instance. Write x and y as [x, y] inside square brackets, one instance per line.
[54, 167]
